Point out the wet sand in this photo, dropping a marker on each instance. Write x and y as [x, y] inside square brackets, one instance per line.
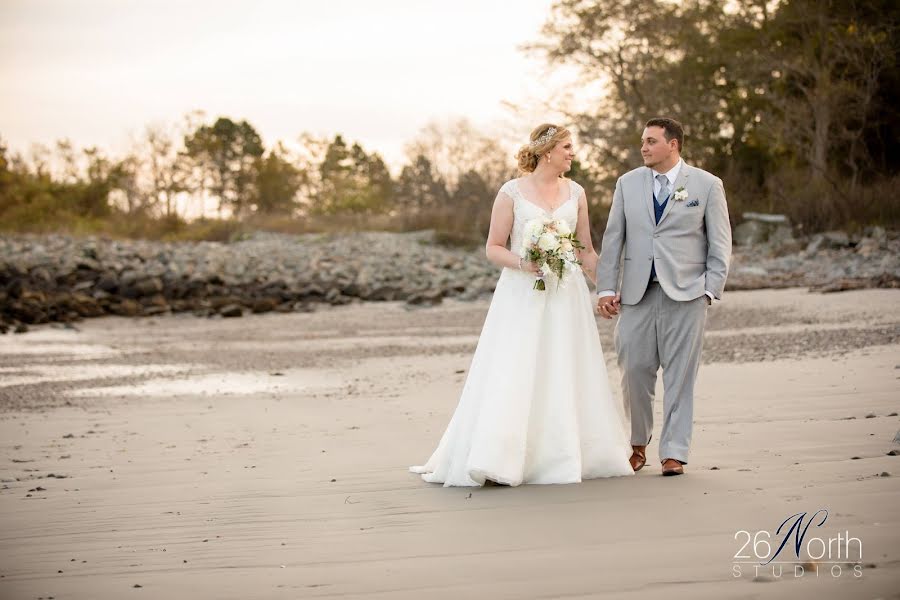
[266, 457]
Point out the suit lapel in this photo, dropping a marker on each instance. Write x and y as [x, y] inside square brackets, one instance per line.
[648, 194]
[680, 181]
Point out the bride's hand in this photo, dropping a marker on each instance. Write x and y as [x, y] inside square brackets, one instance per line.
[529, 267]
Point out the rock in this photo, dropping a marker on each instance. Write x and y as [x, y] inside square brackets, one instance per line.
[384, 293]
[220, 302]
[303, 307]
[148, 287]
[85, 306]
[815, 244]
[231, 310]
[15, 288]
[40, 278]
[759, 228]
[748, 233]
[126, 308]
[750, 270]
[430, 297]
[285, 307]
[263, 305]
[842, 285]
[107, 283]
[41, 275]
[836, 239]
[781, 236]
[878, 234]
[128, 278]
[867, 247]
[157, 300]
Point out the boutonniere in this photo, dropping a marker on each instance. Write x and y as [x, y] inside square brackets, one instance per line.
[680, 194]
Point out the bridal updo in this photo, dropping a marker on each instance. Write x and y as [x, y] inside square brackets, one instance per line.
[542, 141]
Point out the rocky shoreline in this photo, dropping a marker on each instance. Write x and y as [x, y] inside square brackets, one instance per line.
[55, 278]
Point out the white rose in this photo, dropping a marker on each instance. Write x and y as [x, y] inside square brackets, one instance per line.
[548, 242]
[563, 228]
[565, 245]
[533, 228]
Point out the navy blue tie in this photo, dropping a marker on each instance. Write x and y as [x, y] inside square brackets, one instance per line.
[659, 208]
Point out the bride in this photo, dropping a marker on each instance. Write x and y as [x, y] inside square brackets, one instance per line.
[536, 406]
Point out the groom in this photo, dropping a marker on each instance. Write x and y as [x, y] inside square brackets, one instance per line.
[671, 220]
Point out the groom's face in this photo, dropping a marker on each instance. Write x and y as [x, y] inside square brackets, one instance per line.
[655, 149]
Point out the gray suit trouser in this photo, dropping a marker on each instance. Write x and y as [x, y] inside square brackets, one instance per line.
[661, 332]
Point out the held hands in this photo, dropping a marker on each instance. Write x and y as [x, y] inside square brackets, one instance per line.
[608, 306]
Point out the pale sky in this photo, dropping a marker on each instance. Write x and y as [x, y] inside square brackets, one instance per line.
[98, 71]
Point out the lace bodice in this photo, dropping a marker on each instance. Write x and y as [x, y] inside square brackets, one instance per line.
[524, 210]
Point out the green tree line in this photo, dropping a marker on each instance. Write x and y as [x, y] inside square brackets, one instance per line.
[793, 103]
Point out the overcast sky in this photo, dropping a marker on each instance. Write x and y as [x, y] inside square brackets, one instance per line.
[97, 71]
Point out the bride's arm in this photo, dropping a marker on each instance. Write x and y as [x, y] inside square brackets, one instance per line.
[501, 225]
[587, 256]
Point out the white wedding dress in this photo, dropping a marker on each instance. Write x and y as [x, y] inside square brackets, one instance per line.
[536, 406]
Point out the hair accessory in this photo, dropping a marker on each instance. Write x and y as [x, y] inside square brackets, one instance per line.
[544, 138]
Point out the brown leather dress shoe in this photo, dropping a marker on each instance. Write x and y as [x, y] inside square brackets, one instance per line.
[672, 466]
[638, 458]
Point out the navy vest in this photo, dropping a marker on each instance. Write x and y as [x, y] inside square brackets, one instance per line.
[658, 210]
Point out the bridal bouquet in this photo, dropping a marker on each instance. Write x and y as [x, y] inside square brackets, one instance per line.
[551, 244]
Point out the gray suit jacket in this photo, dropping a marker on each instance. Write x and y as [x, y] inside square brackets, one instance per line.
[691, 244]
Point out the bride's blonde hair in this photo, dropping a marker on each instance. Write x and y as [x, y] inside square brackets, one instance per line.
[543, 139]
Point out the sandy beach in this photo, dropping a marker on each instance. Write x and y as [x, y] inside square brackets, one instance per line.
[266, 457]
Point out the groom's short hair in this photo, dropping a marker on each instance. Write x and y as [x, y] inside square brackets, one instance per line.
[672, 128]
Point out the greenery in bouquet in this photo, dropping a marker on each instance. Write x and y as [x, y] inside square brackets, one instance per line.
[551, 244]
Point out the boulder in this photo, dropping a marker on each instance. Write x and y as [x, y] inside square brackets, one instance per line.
[761, 228]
